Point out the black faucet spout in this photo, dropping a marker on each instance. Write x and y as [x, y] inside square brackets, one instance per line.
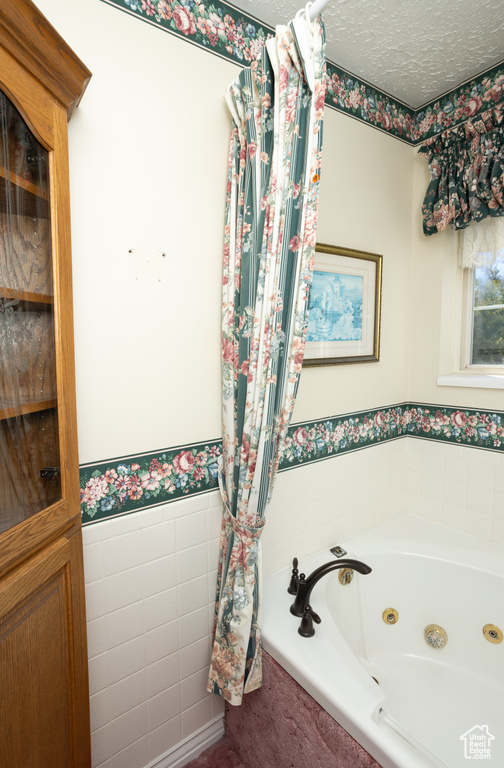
[305, 585]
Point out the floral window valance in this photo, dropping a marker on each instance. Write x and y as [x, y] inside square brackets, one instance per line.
[467, 173]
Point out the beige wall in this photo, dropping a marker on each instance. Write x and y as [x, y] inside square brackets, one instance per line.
[148, 157]
[365, 203]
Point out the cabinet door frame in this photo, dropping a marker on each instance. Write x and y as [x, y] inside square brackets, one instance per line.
[47, 119]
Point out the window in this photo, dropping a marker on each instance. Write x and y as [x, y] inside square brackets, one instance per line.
[484, 346]
[472, 317]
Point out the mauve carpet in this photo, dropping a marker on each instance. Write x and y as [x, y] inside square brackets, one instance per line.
[282, 726]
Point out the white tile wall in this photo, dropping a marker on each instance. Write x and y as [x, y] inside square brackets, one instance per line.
[150, 577]
[150, 582]
[457, 486]
[317, 505]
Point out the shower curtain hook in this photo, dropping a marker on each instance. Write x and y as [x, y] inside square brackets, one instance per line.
[312, 9]
[306, 13]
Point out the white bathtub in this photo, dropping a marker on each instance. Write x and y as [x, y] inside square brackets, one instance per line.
[432, 707]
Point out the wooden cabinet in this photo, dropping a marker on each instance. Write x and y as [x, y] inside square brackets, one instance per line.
[44, 699]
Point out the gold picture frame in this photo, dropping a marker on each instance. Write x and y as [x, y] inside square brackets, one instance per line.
[345, 307]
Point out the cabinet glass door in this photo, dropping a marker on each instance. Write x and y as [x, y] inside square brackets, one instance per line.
[29, 450]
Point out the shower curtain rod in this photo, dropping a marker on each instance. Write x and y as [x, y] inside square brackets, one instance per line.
[314, 8]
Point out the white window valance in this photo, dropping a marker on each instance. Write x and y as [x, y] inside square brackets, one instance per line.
[481, 243]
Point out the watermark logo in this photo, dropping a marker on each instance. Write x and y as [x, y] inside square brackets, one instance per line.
[478, 743]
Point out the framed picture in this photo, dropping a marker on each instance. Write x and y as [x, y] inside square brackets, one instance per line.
[345, 304]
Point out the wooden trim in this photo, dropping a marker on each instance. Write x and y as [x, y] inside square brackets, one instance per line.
[82, 730]
[35, 103]
[30, 39]
[34, 533]
[15, 588]
[63, 315]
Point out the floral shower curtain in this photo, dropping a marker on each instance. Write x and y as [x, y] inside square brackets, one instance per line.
[271, 217]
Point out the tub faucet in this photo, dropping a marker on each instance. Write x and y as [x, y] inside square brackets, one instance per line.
[302, 586]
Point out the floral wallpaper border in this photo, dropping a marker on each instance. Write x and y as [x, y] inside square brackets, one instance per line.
[130, 484]
[463, 426]
[466, 101]
[222, 29]
[349, 94]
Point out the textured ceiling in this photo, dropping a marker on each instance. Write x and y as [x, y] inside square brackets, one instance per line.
[414, 50]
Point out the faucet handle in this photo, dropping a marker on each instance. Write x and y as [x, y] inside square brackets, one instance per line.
[306, 628]
[316, 618]
[294, 582]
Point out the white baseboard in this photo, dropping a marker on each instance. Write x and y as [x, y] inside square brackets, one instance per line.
[191, 747]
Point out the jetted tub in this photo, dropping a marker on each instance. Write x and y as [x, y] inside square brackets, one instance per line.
[409, 704]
